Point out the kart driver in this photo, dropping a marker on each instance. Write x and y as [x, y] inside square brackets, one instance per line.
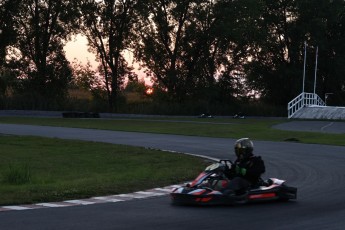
[246, 170]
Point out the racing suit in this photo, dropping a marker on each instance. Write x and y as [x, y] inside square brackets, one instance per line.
[243, 174]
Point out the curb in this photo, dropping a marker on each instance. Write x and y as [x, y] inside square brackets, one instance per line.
[156, 192]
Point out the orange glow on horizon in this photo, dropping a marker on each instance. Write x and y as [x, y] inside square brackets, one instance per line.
[149, 91]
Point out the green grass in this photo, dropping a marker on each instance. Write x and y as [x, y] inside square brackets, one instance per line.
[257, 129]
[18, 174]
[36, 169]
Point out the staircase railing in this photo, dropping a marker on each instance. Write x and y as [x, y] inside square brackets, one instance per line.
[303, 100]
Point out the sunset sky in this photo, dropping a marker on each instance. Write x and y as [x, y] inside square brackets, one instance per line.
[77, 49]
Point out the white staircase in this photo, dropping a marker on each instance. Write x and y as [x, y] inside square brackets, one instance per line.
[304, 100]
[311, 106]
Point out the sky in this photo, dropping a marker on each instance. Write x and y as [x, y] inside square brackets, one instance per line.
[77, 49]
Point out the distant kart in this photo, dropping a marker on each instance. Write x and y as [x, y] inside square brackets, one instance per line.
[205, 115]
[239, 116]
[203, 190]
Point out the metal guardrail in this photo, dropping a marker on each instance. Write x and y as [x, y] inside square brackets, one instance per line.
[304, 100]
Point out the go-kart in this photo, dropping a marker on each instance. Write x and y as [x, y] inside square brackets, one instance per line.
[206, 189]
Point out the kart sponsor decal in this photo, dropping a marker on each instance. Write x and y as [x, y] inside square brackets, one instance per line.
[199, 178]
[215, 193]
[261, 196]
[205, 199]
[197, 192]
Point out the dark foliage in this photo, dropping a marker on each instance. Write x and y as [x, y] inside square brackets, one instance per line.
[201, 55]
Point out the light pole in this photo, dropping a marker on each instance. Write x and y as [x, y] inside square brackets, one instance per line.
[317, 49]
[305, 59]
[0, 48]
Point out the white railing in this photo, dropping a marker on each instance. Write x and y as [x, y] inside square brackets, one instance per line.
[303, 100]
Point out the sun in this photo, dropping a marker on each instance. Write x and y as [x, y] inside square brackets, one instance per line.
[149, 91]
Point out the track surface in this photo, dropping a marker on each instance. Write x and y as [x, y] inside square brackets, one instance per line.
[317, 171]
[313, 126]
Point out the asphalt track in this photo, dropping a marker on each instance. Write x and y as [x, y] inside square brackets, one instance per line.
[313, 126]
[317, 171]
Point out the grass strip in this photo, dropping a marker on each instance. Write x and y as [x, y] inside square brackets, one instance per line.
[34, 169]
[257, 129]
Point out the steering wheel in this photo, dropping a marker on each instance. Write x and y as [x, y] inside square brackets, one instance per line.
[226, 162]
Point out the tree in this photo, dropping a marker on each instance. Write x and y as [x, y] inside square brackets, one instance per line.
[84, 76]
[174, 41]
[202, 50]
[323, 26]
[236, 31]
[42, 27]
[108, 26]
[276, 65]
[8, 11]
[276, 53]
[187, 45]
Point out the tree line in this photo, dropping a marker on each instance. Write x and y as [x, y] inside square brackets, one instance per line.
[217, 51]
